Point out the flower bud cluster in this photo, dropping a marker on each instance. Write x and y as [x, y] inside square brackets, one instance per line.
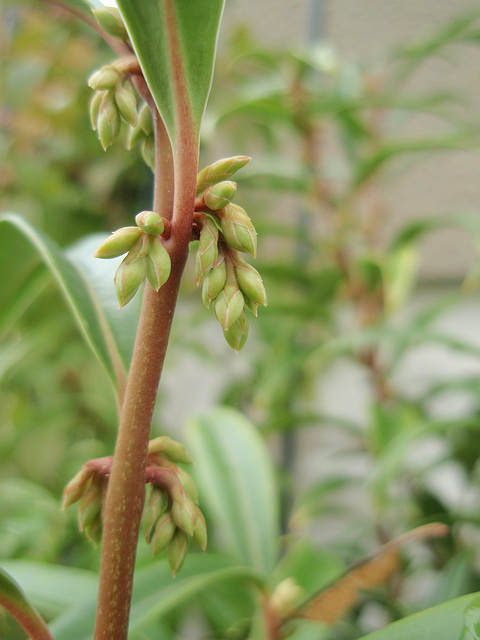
[146, 259]
[171, 515]
[114, 101]
[88, 488]
[229, 282]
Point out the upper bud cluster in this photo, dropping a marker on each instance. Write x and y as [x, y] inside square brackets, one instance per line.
[146, 259]
[228, 281]
[114, 101]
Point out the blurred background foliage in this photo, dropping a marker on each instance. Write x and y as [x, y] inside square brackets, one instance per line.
[328, 137]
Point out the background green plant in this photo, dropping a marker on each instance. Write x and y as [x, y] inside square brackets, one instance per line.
[326, 263]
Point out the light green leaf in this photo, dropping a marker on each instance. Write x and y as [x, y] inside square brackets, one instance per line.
[175, 42]
[237, 483]
[15, 602]
[28, 256]
[52, 589]
[156, 594]
[444, 622]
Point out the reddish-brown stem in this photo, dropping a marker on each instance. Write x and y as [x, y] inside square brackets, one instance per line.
[126, 491]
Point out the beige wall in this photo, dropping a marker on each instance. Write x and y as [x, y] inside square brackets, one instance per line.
[366, 30]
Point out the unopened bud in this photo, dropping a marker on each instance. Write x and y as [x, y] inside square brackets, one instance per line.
[140, 249]
[219, 195]
[128, 278]
[238, 230]
[188, 484]
[90, 504]
[150, 222]
[136, 136]
[251, 283]
[164, 532]
[285, 598]
[127, 105]
[108, 123]
[218, 171]
[185, 514]
[118, 243]
[76, 487]
[200, 531]
[213, 283]
[148, 152]
[158, 264]
[145, 120]
[229, 305]
[154, 507]
[95, 108]
[237, 335]
[105, 78]
[110, 19]
[207, 252]
[177, 550]
[171, 449]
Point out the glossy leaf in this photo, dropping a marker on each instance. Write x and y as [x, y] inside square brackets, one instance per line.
[156, 594]
[175, 42]
[444, 622]
[237, 483]
[86, 284]
[15, 602]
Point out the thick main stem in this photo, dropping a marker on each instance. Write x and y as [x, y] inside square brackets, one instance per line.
[126, 491]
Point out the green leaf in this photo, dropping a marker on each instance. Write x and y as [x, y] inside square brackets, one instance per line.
[156, 594]
[86, 285]
[444, 622]
[53, 589]
[15, 602]
[175, 42]
[237, 483]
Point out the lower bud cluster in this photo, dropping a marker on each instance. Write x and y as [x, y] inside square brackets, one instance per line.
[146, 259]
[229, 282]
[171, 513]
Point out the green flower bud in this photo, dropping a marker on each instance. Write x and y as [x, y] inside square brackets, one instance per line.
[188, 484]
[251, 306]
[171, 449]
[110, 19]
[251, 283]
[177, 550]
[214, 282]
[135, 137]
[158, 264]
[164, 532]
[207, 252]
[127, 105]
[148, 152]
[105, 78]
[237, 335]
[95, 107]
[238, 230]
[118, 243]
[229, 305]
[150, 222]
[200, 531]
[185, 514]
[108, 123]
[90, 507]
[219, 195]
[76, 487]
[140, 249]
[145, 120]
[218, 171]
[93, 531]
[128, 278]
[155, 505]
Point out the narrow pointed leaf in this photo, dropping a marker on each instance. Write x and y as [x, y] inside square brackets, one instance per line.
[175, 42]
[236, 481]
[15, 602]
[28, 258]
